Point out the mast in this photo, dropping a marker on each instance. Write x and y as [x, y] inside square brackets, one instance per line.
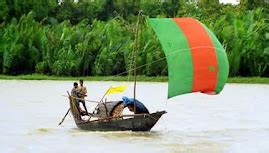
[135, 53]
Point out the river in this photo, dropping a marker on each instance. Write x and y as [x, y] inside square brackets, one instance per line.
[235, 121]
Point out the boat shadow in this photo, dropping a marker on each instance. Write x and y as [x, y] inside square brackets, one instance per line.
[120, 134]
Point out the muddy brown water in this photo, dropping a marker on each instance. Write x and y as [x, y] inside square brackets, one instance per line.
[237, 120]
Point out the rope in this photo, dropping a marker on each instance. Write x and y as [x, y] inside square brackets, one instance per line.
[161, 59]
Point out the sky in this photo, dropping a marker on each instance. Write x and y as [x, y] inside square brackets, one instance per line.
[230, 1]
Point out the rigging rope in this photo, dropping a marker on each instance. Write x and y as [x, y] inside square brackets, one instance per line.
[158, 60]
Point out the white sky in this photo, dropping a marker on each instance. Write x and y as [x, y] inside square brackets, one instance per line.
[230, 1]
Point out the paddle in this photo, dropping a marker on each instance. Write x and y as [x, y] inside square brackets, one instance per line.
[64, 116]
[66, 112]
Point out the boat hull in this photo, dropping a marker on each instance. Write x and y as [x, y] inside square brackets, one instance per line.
[136, 123]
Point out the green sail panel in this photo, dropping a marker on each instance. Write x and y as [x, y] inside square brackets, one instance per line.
[177, 54]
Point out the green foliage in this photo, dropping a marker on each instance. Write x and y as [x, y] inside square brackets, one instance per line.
[243, 34]
[209, 1]
[21, 46]
[150, 56]
[18, 8]
[3, 11]
[252, 4]
[96, 38]
[115, 42]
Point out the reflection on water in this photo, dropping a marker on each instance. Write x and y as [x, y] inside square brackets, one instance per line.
[43, 130]
[234, 121]
[134, 135]
[150, 135]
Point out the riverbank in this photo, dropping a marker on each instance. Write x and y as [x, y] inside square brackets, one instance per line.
[248, 80]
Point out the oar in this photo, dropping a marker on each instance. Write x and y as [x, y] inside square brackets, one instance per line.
[66, 112]
[64, 116]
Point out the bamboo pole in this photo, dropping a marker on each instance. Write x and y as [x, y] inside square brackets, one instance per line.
[105, 94]
[135, 53]
[104, 103]
[92, 101]
[73, 107]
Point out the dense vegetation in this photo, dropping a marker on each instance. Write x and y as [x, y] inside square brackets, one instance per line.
[96, 38]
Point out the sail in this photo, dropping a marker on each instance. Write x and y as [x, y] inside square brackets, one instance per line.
[196, 60]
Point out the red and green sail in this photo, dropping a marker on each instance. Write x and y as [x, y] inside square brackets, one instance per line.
[197, 62]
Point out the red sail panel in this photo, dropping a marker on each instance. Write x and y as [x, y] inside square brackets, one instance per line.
[203, 53]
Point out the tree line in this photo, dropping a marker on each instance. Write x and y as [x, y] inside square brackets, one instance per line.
[96, 37]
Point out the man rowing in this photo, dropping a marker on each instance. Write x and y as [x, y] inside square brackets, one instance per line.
[79, 93]
[83, 92]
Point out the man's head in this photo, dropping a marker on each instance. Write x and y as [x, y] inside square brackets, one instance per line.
[75, 84]
[81, 82]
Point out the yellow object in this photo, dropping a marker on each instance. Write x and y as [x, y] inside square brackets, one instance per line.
[117, 89]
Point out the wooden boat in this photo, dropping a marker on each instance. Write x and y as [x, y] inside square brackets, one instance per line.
[196, 62]
[106, 121]
[104, 117]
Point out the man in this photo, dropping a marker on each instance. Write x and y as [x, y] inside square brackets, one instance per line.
[75, 93]
[82, 89]
[83, 92]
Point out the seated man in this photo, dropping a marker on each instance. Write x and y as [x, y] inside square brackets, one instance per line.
[140, 108]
